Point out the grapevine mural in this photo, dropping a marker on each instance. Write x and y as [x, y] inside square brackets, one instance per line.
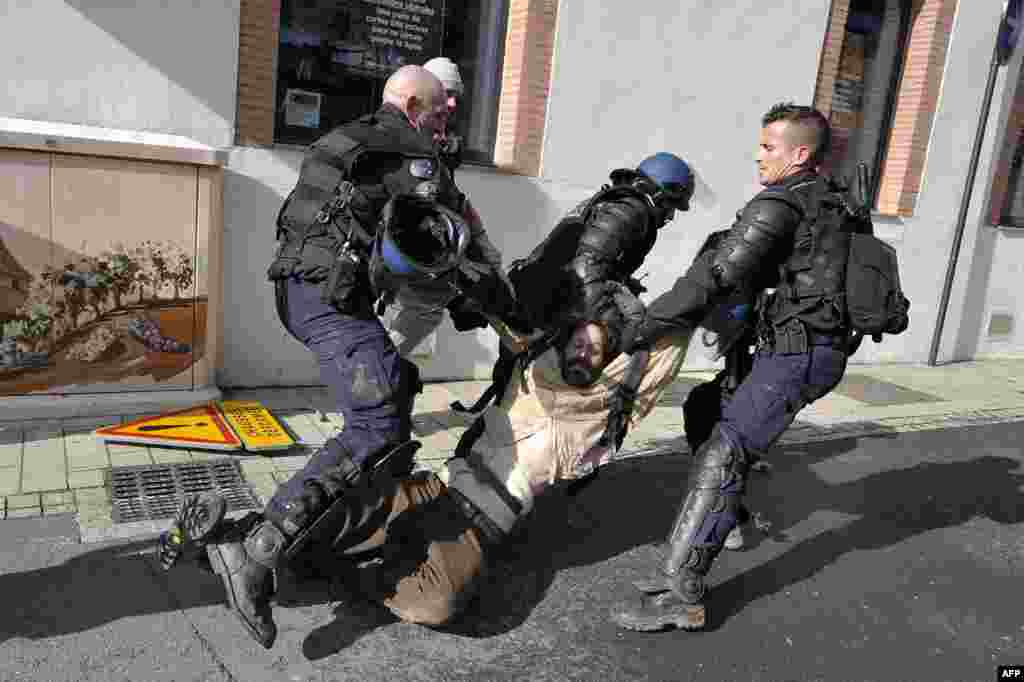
[129, 314]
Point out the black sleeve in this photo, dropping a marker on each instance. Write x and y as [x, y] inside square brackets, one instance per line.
[754, 244]
[612, 229]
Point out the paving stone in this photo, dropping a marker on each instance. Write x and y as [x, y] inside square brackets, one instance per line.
[303, 427]
[10, 480]
[91, 496]
[170, 455]
[263, 484]
[44, 464]
[88, 478]
[135, 456]
[58, 502]
[19, 506]
[94, 510]
[207, 455]
[257, 465]
[86, 455]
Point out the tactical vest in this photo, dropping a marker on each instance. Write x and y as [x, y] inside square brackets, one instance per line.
[812, 280]
[536, 276]
[326, 225]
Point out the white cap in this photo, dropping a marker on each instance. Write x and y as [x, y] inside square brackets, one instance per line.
[447, 72]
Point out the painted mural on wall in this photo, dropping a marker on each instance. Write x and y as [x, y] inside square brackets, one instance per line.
[68, 318]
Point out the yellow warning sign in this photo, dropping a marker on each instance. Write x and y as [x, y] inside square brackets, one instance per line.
[254, 424]
[199, 427]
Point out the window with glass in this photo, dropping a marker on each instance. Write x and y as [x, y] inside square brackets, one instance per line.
[335, 55]
[1010, 210]
[866, 84]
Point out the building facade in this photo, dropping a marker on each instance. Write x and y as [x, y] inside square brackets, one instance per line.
[559, 93]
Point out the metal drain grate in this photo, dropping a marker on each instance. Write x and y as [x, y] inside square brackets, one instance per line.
[152, 492]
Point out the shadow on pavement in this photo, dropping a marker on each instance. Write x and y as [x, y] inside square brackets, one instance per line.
[633, 503]
[893, 506]
[105, 585]
[630, 504]
[92, 589]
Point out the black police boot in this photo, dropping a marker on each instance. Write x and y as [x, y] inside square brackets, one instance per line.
[246, 566]
[710, 510]
[673, 600]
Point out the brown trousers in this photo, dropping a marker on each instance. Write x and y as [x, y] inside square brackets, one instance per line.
[432, 559]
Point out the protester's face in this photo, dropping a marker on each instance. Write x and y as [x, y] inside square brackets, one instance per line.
[583, 357]
[777, 157]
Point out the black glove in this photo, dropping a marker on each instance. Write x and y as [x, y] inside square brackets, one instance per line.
[620, 409]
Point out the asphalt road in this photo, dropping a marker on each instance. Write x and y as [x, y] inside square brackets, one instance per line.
[888, 558]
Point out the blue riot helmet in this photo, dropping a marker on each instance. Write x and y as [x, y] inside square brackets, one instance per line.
[673, 177]
[417, 241]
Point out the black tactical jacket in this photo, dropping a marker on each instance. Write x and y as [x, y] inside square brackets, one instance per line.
[769, 235]
[381, 155]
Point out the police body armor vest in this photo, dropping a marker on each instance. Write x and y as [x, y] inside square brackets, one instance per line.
[812, 280]
[326, 225]
[533, 277]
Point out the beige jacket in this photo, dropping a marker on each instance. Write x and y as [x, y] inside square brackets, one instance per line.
[545, 430]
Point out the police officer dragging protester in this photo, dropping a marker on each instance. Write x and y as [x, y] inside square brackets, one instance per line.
[801, 236]
[605, 239]
[418, 310]
[421, 544]
[374, 210]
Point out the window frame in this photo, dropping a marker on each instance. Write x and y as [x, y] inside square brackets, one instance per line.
[525, 73]
[924, 34]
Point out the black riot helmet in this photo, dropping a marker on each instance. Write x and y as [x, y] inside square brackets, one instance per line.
[665, 178]
[417, 241]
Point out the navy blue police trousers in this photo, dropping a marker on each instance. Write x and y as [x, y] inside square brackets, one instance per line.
[360, 365]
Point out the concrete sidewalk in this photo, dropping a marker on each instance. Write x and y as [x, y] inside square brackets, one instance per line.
[50, 467]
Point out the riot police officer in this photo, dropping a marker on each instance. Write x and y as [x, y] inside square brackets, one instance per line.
[603, 240]
[330, 267]
[801, 354]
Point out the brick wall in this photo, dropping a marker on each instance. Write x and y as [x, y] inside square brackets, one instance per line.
[831, 51]
[916, 101]
[257, 46]
[526, 81]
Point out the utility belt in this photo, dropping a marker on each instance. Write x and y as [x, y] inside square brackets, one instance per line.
[793, 337]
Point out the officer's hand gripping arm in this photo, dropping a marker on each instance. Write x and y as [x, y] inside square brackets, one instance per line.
[750, 246]
[622, 401]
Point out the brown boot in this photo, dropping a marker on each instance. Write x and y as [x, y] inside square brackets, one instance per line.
[246, 566]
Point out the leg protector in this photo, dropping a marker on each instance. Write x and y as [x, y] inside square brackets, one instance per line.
[710, 510]
[246, 567]
[353, 504]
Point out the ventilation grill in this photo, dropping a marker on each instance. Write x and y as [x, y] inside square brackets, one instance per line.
[153, 492]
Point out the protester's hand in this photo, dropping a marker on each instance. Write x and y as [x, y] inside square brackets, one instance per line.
[620, 410]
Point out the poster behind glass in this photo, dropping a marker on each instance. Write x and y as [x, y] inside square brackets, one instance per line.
[334, 56]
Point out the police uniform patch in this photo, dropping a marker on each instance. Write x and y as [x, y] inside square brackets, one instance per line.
[422, 168]
[428, 190]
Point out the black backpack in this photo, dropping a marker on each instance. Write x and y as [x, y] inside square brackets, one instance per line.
[875, 302]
